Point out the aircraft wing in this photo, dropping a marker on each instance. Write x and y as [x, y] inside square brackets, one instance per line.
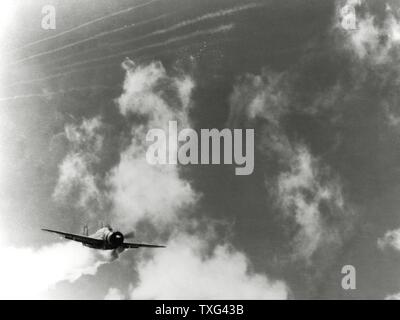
[140, 245]
[76, 237]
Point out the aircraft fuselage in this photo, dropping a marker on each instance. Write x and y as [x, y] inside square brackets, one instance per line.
[110, 239]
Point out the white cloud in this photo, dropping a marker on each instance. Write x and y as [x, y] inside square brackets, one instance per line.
[263, 97]
[114, 294]
[303, 185]
[27, 273]
[185, 85]
[160, 195]
[301, 193]
[145, 89]
[76, 173]
[395, 296]
[372, 41]
[153, 192]
[259, 96]
[140, 190]
[188, 269]
[365, 39]
[390, 239]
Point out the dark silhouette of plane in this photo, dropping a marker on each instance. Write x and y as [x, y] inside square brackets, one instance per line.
[104, 239]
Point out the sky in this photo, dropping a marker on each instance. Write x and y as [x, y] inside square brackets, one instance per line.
[76, 103]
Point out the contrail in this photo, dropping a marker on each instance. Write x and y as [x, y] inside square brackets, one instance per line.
[208, 16]
[52, 93]
[223, 28]
[96, 36]
[88, 23]
[57, 75]
[210, 43]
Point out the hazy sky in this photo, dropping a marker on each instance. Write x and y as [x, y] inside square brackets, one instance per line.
[75, 106]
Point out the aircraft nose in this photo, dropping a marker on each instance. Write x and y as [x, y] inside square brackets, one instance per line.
[116, 238]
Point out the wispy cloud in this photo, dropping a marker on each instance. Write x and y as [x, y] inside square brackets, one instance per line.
[76, 172]
[301, 193]
[140, 190]
[303, 185]
[390, 239]
[373, 41]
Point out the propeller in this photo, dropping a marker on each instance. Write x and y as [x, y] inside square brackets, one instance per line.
[130, 234]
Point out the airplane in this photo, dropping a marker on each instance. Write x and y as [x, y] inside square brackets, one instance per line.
[104, 239]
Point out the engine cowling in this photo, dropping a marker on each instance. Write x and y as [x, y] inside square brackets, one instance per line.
[115, 239]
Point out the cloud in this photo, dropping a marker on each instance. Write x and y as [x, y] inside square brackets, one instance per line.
[259, 96]
[74, 173]
[149, 91]
[77, 175]
[263, 99]
[390, 239]
[27, 273]
[190, 269]
[159, 194]
[145, 192]
[395, 296]
[374, 47]
[301, 193]
[114, 294]
[139, 190]
[374, 41]
[301, 186]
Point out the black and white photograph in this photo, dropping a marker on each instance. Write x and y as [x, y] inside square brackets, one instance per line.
[199, 150]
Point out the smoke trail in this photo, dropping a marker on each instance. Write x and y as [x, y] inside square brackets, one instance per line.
[88, 23]
[208, 16]
[224, 28]
[96, 36]
[177, 26]
[220, 13]
[52, 93]
[58, 75]
[220, 29]
[107, 65]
